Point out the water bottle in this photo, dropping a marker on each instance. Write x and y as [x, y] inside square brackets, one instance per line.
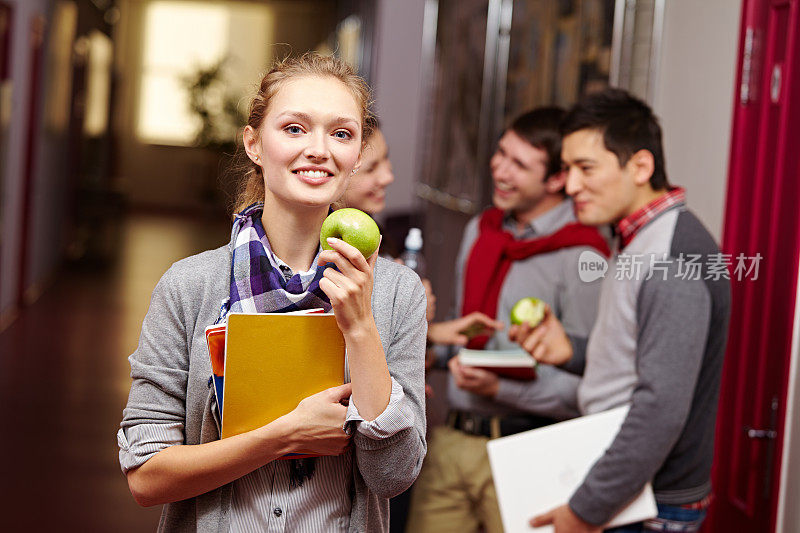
[412, 255]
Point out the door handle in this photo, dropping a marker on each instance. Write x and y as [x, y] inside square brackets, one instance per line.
[764, 434]
[768, 435]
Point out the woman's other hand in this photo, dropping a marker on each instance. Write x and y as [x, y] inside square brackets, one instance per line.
[318, 422]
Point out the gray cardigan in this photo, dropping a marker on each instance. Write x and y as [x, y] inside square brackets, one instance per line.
[170, 373]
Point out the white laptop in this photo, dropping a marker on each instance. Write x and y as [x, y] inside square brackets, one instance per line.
[539, 470]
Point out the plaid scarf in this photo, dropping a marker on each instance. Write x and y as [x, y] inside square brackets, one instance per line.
[258, 286]
[257, 283]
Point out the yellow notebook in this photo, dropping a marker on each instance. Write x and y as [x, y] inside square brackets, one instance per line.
[272, 361]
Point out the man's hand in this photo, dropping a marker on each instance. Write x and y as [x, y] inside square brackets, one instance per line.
[460, 330]
[564, 521]
[474, 380]
[547, 342]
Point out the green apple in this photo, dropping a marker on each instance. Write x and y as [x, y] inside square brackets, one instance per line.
[354, 227]
[530, 310]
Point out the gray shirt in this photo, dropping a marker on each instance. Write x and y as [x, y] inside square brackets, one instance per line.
[170, 370]
[552, 277]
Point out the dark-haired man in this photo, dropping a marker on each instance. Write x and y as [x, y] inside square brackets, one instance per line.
[661, 329]
[526, 245]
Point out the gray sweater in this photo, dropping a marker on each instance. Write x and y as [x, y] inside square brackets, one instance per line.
[170, 370]
[658, 344]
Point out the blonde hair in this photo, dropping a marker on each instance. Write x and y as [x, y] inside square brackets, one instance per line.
[250, 188]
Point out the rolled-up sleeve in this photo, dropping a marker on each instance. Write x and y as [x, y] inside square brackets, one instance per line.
[395, 418]
[140, 443]
[154, 416]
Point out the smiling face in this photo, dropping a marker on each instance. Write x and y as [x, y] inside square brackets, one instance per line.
[367, 190]
[308, 143]
[603, 191]
[519, 171]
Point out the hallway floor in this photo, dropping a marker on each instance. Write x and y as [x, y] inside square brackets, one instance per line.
[64, 380]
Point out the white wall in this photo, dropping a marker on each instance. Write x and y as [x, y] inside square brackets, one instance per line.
[396, 84]
[694, 99]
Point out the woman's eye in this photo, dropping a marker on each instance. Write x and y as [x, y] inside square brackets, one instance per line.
[294, 130]
[342, 134]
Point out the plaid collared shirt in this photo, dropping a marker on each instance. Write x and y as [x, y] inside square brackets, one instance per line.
[631, 224]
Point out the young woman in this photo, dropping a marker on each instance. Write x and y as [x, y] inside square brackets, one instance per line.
[303, 142]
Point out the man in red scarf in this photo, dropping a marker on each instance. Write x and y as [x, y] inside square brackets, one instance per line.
[527, 244]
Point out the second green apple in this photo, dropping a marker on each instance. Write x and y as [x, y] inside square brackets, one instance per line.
[530, 310]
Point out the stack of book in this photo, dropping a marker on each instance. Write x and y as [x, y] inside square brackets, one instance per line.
[263, 364]
[516, 364]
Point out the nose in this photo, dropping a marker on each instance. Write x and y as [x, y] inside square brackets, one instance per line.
[317, 147]
[499, 167]
[386, 174]
[494, 161]
[574, 182]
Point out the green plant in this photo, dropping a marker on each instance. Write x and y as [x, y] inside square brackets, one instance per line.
[217, 109]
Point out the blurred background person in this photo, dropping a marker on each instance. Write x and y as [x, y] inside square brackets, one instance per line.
[367, 190]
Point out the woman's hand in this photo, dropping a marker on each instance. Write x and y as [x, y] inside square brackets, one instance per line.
[349, 288]
[350, 292]
[318, 422]
[460, 330]
[183, 471]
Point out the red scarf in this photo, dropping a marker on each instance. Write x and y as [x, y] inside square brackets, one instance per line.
[496, 249]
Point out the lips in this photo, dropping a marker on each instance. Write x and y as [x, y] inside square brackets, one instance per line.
[503, 190]
[313, 175]
[580, 205]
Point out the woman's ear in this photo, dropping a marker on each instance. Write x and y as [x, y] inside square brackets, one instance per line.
[555, 183]
[643, 165]
[358, 163]
[252, 146]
